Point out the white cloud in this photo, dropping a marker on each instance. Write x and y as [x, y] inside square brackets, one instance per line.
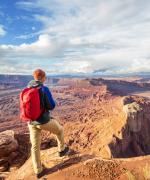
[2, 31]
[85, 36]
[43, 47]
[71, 67]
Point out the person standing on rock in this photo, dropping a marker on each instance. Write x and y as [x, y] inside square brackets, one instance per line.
[36, 101]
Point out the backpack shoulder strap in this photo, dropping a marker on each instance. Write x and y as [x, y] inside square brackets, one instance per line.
[41, 94]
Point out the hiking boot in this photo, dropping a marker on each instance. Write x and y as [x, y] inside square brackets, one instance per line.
[39, 175]
[42, 173]
[64, 152]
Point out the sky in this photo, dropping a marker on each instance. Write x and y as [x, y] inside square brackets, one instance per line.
[75, 36]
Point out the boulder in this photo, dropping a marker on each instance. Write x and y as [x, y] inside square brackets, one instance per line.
[8, 145]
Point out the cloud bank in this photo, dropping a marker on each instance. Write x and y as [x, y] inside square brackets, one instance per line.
[78, 36]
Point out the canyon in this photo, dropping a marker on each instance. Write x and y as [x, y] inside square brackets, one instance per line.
[106, 124]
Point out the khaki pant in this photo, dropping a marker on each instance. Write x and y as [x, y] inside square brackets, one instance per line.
[35, 137]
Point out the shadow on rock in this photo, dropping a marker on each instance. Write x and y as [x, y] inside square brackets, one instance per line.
[67, 163]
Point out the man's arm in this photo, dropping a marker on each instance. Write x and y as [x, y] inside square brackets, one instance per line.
[48, 99]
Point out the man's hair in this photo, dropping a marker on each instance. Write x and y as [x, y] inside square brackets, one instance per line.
[38, 74]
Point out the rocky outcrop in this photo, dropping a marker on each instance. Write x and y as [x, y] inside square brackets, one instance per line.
[134, 115]
[8, 148]
[135, 134]
[84, 166]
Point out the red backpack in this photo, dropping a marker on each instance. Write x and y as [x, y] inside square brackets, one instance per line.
[30, 107]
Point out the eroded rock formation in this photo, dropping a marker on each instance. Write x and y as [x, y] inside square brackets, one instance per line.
[8, 149]
[135, 134]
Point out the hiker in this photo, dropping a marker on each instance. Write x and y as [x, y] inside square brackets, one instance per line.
[36, 101]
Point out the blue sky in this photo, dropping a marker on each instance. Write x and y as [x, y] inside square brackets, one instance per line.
[75, 36]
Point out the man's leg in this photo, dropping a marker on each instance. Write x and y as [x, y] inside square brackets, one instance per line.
[35, 138]
[54, 127]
